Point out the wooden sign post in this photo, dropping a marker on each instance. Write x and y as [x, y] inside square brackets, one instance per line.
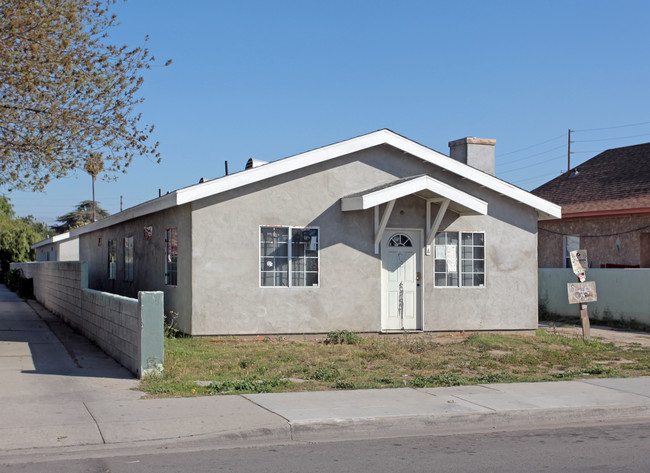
[582, 292]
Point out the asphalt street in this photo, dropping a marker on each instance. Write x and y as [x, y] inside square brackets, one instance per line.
[567, 449]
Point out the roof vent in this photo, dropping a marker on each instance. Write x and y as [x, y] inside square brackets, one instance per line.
[253, 163]
[574, 174]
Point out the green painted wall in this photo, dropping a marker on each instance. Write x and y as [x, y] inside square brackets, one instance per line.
[622, 293]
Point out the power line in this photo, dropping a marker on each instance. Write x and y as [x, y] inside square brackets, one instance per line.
[532, 165]
[597, 235]
[615, 138]
[544, 177]
[531, 146]
[613, 127]
[531, 156]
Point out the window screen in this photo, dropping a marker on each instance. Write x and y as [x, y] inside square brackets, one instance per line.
[571, 243]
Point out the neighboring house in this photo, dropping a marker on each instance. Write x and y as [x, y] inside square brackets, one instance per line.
[375, 233]
[605, 210]
[57, 248]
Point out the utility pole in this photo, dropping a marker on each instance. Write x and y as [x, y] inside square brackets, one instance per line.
[120, 203]
[569, 153]
[94, 216]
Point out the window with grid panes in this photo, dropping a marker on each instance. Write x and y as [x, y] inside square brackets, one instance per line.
[459, 259]
[289, 256]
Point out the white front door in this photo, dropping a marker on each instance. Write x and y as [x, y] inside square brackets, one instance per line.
[400, 263]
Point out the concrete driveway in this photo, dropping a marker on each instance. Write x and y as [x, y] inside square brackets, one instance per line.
[45, 384]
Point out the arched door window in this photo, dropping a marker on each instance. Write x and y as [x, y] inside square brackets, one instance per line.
[400, 239]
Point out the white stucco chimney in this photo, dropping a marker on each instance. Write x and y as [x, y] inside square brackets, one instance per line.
[475, 152]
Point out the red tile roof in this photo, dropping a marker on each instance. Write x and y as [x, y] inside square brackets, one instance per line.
[616, 179]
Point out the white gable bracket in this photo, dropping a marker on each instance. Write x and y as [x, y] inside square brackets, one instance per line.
[383, 222]
[431, 232]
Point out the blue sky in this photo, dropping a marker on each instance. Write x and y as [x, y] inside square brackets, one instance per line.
[272, 79]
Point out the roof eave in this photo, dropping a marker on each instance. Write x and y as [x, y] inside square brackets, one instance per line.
[299, 161]
[413, 186]
[161, 203]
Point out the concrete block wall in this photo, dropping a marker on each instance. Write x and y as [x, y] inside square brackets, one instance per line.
[622, 293]
[129, 330]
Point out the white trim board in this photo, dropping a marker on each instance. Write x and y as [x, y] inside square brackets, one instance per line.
[546, 209]
[371, 199]
[55, 239]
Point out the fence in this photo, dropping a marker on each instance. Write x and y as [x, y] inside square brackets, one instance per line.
[129, 330]
[623, 294]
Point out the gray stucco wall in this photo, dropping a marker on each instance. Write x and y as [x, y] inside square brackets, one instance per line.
[149, 260]
[228, 299]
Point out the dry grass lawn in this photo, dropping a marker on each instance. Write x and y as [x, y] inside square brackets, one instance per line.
[219, 365]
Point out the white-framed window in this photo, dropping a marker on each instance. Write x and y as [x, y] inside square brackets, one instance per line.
[171, 257]
[289, 256]
[571, 243]
[128, 258]
[459, 259]
[112, 259]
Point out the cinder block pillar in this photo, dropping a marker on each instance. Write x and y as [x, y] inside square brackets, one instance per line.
[152, 346]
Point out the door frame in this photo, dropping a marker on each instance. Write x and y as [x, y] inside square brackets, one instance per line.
[419, 256]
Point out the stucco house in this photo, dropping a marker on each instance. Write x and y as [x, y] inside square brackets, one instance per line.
[605, 210]
[57, 248]
[377, 233]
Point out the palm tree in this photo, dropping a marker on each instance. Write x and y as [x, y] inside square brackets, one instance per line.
[93, 166]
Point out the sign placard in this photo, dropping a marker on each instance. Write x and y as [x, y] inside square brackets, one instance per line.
[579, 263]
[582, 292]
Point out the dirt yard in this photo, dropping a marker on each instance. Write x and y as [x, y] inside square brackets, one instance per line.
[619, 337]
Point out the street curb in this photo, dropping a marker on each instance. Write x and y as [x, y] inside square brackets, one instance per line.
[453, 423]
[360, 428]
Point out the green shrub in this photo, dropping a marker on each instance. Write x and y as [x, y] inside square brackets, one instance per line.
[15, 282]
[342, 337]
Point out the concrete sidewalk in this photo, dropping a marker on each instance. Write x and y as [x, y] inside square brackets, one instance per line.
[55, 394]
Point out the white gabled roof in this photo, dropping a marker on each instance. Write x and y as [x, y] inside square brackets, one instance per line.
[186, 195]
[413, 185]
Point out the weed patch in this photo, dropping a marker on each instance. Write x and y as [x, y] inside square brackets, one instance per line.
[342, 337]
[249, 385]
[443, 379]
[326, 373]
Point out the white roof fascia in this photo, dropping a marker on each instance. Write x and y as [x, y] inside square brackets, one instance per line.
[161, 203]
[547, 208]
[282, 166]
[54, 239]
[412, 186]
[199, 191]
[352, 145]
